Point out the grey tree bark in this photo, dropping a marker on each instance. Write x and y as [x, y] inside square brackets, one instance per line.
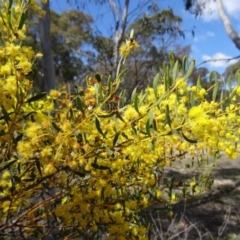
[46, 48]
[228, 25]
[120, 27]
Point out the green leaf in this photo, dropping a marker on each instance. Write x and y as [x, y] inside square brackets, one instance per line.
[6, 115]
[56, 127]
[167, 112]
[155, 84]
[100, 167]
[176, 108]
[175, 71]
[121, 74]
[10, 19]
[192, 99]
[70, 114]
[124, 135]
[109, 85]
[190, 69]
[189, 140]
[132, 33]
[167, 80]
[17, 179]
[142, 97]
[199, 83]
[118, 115]
[8, 165]
[136, 103]
[148, 129]
[38, 165]
[229, 80]
[213, 77]
[221, 99]
[96, 87]
[79, 105]
[215, 90]
[100, 92]
[237, 77]
[1, 40]
[78, 91]
[19, 168]
[120, 64]
[80, 174]
[232, 94]
[154, 125]
[18, 138]
[134, 92]
[123, 98]
[23, 19]
[97, 123]
[37, 97]
[110, 152]
[26, 116]
[158, 101]
[116, 138]
[150, 116]
[134, 129]
[98, 77]
[28, 179]
[10, 2]
[184, 64]
[150, 233]
[3, 21]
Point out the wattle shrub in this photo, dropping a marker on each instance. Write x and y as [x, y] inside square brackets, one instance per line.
[86, 164]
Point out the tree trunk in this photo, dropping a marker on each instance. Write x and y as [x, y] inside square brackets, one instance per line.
[46, 48]
[120, 27]
[228, 25]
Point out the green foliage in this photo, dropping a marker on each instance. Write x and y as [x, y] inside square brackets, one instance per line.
[231, 70]
[70, 30]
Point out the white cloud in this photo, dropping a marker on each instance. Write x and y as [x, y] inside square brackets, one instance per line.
[220, 62]
[210, 34]
[204, 37]
[195, 48]
[210, 12]
[232, 8]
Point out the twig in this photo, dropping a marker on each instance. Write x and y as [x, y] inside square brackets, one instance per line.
[32, 209]
[218, 59]
[225, 222]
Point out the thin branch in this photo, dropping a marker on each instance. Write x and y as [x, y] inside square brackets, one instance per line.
[32, 209]
[116, 15]
[218, 59]
[124, 20]
[225, 223]
[228, 25]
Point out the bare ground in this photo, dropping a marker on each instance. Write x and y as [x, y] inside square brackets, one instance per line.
[215, 215]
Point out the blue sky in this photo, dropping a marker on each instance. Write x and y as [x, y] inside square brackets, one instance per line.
[210, 40]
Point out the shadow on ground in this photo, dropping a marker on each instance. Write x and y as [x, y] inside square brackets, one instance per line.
[214, 215]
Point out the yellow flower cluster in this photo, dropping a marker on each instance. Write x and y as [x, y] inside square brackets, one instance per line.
[126, 48]
[90, 165]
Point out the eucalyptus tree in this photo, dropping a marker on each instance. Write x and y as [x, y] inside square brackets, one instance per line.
[46, 47]
[231, 70]
[68, 32]
[81, 46]
[157, 33]
[122, 16]
[198, 6]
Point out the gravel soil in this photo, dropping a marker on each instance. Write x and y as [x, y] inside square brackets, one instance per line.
[214, 215]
